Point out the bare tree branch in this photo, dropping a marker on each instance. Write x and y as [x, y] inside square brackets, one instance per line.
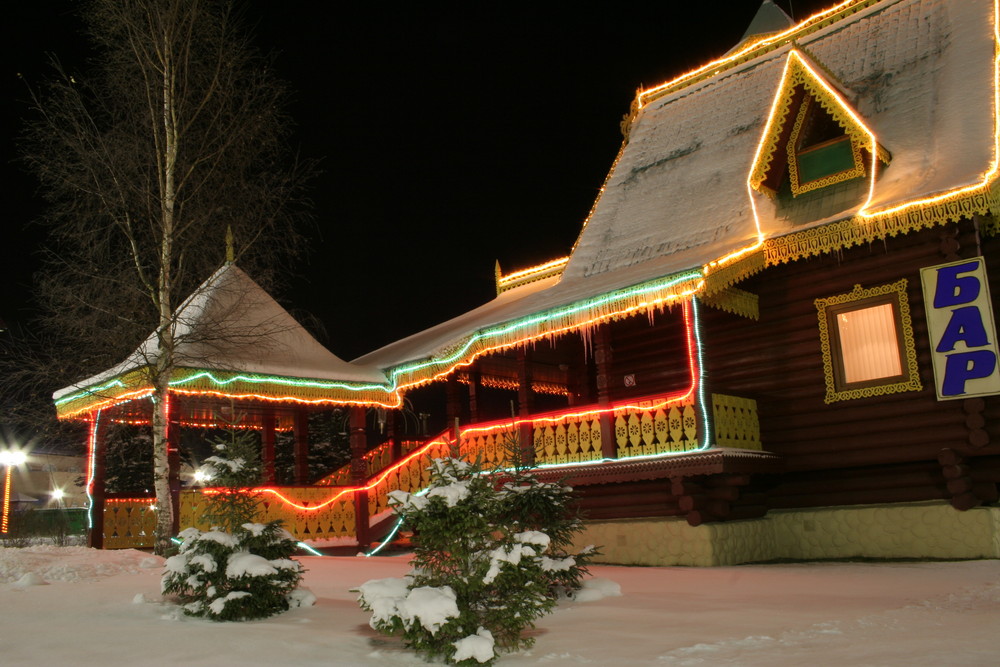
[176, 133]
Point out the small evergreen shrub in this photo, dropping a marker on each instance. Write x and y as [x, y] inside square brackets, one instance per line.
[233, 470]
[234, 576]
[489, 561]
[240, 570]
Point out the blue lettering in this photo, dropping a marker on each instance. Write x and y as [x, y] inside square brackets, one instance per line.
[964, 366]
[955, 290]
[966, 324]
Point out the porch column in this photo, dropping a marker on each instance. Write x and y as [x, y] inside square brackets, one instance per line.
[98, 430]
[602, 357]
[526, 406]
[267, 445]
[705, 405]
[174, 459]
[359, 474]
[453, 399]
[301, 447]
[475, 378]
[396, 446]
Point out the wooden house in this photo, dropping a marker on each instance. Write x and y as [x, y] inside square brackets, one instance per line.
[745, 299]
[773, 337]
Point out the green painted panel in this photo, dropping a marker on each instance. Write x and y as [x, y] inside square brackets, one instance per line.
[825, 160]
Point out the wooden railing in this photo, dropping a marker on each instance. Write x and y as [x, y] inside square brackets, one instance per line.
[307, 512]
[129, 523]
[319, 512]
[655, 426]
[736, 422]
[651, 426]
[376, 459]
[410, 476]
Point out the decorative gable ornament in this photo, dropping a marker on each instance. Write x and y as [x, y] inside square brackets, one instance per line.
[812, 135]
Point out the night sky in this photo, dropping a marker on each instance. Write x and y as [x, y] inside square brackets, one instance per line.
[448, 139]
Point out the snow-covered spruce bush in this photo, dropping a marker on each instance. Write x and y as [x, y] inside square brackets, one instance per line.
[481, 574]
[532, 505]
[239, 570]
[234, 576]
[232, 471]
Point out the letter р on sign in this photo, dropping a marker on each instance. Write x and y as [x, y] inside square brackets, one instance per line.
[961, 328]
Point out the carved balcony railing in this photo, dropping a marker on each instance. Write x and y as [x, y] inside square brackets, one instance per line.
[649, 426]
[736, 422]
[129, 523]
[410, 475]
[376, 459]
[307, 512]
[643, 427]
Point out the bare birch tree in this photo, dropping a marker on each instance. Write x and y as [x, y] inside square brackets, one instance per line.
[176, 132]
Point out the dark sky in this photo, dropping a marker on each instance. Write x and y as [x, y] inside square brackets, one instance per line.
[449, 139]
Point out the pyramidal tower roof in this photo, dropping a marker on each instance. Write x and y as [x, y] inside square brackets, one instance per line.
[770, 18]
[231, 326]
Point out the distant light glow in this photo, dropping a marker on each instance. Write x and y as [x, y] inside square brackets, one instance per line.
[9, 459]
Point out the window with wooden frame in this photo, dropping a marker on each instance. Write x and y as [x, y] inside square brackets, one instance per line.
[867, 342]
[813, 139]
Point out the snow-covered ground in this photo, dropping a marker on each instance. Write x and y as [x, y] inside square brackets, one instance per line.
[76, 606]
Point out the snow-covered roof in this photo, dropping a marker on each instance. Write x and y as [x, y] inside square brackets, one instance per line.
[919, 74]
[230, 325]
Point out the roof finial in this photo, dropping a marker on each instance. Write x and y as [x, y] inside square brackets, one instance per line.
[230, 252]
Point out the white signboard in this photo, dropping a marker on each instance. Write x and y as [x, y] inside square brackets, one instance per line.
[961, 328]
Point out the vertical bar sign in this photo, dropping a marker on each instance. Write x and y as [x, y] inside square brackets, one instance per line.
[961, 328]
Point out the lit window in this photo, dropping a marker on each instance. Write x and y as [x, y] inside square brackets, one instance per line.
[867, 342]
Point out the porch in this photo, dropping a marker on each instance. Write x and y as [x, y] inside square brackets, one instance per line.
[654, 441]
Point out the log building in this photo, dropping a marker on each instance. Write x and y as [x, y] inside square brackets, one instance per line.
[774, 336]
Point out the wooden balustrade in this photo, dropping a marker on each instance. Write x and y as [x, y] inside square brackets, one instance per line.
[736, 422]
[307, 512]
[574, 438]
[490, 446]
[411, 476]
[377, 459]
[129, 523]
[650, 427]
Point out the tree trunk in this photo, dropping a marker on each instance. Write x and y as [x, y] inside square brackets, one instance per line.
[161, 466]
[167, 160]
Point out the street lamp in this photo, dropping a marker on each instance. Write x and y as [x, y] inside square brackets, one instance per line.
[8, 459]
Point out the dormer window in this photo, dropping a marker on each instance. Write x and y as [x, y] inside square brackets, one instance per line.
[813, 139]
[819, 150]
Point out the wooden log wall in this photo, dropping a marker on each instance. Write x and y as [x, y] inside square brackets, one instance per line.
[653, 352]
[870, 450]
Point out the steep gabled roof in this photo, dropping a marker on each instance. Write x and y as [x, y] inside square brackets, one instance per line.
[677, 215]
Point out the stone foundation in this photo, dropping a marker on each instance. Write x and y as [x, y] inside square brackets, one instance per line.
[905, 530]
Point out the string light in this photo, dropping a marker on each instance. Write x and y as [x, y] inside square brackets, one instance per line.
[463, 357]
[274, 379]
[990, 175]
[391, 404]
[525, 276]
[91, 466]
[9, 459]
[813, 22]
